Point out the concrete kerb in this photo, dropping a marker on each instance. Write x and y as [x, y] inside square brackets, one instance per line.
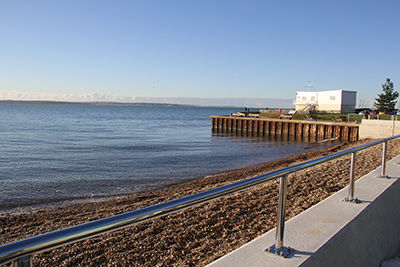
[336, 233]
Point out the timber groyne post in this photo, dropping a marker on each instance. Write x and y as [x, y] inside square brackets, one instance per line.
[297, 129]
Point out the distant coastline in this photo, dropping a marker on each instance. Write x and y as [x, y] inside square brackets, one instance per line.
[66, 103]
[13, 98]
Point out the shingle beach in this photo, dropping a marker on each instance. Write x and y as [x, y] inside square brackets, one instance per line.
[196, 236]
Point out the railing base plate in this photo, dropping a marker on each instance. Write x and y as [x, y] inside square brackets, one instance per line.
[284, 253]
[355, 200]
[383, 176]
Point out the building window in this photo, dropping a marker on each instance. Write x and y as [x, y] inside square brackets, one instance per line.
[304, 98]
[313, 98]
[333, 97]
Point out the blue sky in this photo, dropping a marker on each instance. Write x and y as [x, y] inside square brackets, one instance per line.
[196, 49]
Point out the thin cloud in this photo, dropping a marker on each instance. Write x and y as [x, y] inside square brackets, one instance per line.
[64, 97]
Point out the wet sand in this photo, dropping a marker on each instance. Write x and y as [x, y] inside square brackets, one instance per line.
[198, 235]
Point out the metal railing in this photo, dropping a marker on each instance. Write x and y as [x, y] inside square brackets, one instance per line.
[383, 117]
[19, 253]
[304, 102]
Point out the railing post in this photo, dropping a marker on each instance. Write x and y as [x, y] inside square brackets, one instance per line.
[280, 227]
[383, 172]
[23, 262]
[278, 248]
[350, 195]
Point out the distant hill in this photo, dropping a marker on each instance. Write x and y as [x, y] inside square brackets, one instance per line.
[255, 103]
[65, 103]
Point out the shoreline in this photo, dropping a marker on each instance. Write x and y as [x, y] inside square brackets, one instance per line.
[49, 203]
[198, 235]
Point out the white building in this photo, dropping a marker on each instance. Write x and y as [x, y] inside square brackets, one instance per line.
[337, 101]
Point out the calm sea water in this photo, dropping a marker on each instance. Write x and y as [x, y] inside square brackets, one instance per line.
[51, 153]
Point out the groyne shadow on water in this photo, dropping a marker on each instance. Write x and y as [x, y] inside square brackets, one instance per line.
[270, 138]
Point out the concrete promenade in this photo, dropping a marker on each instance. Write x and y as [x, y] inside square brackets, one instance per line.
[336, 233]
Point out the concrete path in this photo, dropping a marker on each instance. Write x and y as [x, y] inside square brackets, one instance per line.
[336, 233]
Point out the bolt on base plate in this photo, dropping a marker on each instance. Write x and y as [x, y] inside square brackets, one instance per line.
[355, 200]
[286, 251]
[383, 176]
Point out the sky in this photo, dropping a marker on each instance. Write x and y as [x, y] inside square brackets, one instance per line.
[254, 53]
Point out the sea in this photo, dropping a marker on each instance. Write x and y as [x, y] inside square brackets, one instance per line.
[56, 153]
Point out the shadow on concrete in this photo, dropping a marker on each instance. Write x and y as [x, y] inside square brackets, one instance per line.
[299, 253]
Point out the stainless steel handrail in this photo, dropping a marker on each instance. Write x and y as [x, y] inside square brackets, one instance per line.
[21, 249]
[376, 116]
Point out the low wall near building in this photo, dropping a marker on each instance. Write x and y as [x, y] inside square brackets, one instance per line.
[378, 129]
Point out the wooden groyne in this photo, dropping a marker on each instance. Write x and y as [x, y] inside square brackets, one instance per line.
[293, 129]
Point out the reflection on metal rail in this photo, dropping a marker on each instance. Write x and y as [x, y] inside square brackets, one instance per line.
[19, 252]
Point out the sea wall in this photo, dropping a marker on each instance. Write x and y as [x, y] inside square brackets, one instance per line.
[291, 129]
[379, 128]
[369, 238]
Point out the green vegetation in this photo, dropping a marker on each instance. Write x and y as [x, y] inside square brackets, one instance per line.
[297, 116]
[385, 102]
[328, 117]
